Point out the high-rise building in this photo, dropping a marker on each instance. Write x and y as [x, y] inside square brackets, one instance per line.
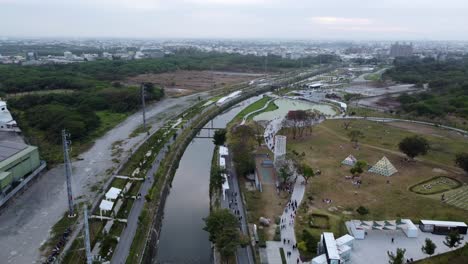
[401, 50]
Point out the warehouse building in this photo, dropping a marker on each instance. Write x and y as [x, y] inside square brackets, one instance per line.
[17, 162]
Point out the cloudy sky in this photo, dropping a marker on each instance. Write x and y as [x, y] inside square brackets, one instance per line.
[272, 19]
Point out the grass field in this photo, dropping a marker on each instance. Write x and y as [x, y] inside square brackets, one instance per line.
[253, 107]
[329, 145]
[444, 144]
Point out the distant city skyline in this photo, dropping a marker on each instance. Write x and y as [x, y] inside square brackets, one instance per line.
[243, 19]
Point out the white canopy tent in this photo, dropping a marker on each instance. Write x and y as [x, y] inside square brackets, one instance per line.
[223, 151]
[225, 185]
[113, 193]
[222, 163]
[406, 225]
[105, 206]
[384, 167]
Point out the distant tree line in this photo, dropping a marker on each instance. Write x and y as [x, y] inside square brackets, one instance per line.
[447, 82]
[78, 76]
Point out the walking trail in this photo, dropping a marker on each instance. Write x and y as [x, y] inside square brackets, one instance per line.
[288, 221]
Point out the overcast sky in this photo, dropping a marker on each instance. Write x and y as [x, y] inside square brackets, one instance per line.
[277, 19]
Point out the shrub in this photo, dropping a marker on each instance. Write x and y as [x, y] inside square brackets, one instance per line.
[362, 210]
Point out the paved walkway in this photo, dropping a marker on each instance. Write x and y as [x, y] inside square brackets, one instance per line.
[235, 203]
[288, 219]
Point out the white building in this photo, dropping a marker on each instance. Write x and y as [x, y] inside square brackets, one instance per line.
[228, 98]
[7, 123]
[68, 55]
[280, 147]
[331, 251]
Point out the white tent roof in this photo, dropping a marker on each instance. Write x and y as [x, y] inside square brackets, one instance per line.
[222, 162]
[113, 193]
[384, 167]
[223, 151]
[106, 205]
[350, 160]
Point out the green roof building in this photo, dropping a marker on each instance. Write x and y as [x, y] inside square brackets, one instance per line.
[16, 162]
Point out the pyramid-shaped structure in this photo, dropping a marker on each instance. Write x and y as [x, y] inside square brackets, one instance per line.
[350, 160]
[384, 167]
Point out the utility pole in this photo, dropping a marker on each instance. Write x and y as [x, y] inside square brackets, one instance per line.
[68, 171]
[143, 105]
[89, 259]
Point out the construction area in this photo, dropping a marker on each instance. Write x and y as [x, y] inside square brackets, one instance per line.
[181, 83]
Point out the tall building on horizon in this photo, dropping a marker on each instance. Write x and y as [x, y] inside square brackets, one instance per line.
[401, 50]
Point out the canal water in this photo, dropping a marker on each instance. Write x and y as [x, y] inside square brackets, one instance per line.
[183, 239]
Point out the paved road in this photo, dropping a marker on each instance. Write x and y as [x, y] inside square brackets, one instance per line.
[26, 221]
[243, 255]
[126, 238]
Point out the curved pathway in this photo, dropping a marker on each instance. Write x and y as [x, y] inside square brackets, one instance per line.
[288, 219]
[256, 111]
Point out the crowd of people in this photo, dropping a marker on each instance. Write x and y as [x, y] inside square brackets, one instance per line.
[288, 220]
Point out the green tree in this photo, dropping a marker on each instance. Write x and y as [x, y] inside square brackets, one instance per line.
[397, 258]
[452, 239]
[461, 160]
[358, 167]
[216, 178]
[429, 247]
[354, 136]
[414, 146]
[307, 172]
[284, 173]
[222, 227]
[219, 137]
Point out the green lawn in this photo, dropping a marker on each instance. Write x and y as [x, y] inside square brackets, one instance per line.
[253, 107]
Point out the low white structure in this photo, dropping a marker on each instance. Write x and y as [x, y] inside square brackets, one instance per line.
[228, 98]
[345, 240]
[333, 251]
[223, 151]
[7, 123]
[105, 206]
[225, 185]
[280, 147]
[359, 227]
[410, 229]
[350, 160]
[113, 193]
[222, 163]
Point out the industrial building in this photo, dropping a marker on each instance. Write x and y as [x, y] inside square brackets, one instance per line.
[17, 161]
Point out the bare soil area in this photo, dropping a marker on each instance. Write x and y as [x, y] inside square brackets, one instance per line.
[180, 83]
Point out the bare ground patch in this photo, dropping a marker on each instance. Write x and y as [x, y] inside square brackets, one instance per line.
[187, 82]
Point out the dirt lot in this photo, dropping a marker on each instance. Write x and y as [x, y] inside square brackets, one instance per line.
[187, 82]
